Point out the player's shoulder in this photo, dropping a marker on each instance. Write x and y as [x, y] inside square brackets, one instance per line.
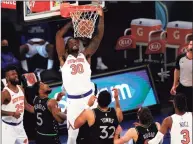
[181, 56]
[21, 87]
[82, 54]
[133, 131]
[5, 92]
[189, 114]
[168, 121]
[157, 125]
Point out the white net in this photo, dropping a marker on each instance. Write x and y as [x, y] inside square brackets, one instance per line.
[84, 22]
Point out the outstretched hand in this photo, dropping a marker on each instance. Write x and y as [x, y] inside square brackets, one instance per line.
[116, 93]
[16, 114]
[60, 95]
[173, 90]
[100, 11]
[91, 100]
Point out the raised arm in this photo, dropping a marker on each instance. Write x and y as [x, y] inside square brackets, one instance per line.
[95, 42]
[118, 110]
[57, 114]
[28, 107]
[130, 134]
[87, 115]
[81, 119]
[60, 45]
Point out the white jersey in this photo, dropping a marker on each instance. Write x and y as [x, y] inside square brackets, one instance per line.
[76, 75]
[16, 104]
[181, 131]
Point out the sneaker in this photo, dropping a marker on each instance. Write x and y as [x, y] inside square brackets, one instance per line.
[101, 66]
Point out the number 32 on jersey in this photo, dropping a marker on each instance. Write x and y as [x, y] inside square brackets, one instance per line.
[77, 69]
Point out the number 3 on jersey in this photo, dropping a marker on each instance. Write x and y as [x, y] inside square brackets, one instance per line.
[76, 68]
[186, 137]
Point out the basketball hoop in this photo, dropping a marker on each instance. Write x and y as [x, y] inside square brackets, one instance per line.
[83, 18]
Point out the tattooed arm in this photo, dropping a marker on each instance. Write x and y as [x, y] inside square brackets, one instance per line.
[94, 44]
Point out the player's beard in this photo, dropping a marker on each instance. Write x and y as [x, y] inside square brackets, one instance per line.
[74, 50]
[14, 82]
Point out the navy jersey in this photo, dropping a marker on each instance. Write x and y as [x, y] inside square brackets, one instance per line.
[146, 133]
[46, 123]
[103, 130]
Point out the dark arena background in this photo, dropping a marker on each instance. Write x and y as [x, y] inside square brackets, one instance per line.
[137, 60]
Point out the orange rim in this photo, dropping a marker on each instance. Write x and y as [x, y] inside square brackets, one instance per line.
[66, 9]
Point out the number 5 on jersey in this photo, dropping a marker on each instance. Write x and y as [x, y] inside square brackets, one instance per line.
[76, 68]
[39, 119]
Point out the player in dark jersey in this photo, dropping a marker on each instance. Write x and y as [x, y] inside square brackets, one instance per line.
[144, 131]
[47, 115]
[102, 120]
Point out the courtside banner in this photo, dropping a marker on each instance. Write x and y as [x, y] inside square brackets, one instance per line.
[135, 89]
[8, 4]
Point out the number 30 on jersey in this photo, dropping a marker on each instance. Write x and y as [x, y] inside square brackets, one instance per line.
[77, 69]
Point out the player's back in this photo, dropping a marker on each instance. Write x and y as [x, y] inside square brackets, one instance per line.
[146, 133]
[16, 104]
[76, 75]
[181, 130]
[103, 130]
[45, 122]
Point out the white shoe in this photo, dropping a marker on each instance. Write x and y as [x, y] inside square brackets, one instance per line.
[38, 72]
[101, 66]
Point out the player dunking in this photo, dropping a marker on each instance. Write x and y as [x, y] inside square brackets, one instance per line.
[76, 72]
[179, 124]
[13, 103]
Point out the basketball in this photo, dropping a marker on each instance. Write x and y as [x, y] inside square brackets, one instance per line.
[85, 27]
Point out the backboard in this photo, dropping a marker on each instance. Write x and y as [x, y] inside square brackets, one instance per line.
[37, 10]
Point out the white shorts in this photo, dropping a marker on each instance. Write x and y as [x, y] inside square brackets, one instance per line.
[37, 49]
[75, 107]
[13, 134]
